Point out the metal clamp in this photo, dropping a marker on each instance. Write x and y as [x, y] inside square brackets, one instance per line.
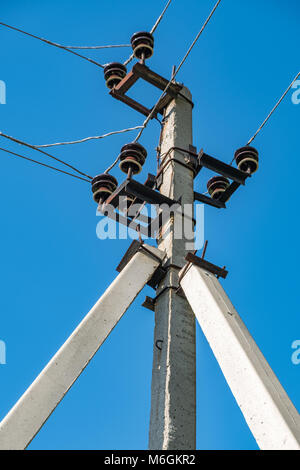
[191, 259]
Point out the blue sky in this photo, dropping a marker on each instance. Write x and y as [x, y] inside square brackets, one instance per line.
[53, 268]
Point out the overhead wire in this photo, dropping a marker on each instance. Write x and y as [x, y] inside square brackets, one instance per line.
[273, 110]
[86, 139]
[149, 117]
[112, 165]
[99, 47]
[13, 139]
[160, 17]
[143, 126]
[152, 30]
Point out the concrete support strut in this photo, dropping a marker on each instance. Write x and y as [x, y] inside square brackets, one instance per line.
[32, 410]
[268, 411]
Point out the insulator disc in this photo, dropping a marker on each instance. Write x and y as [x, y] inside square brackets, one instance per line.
[247, 159]
[217, 186]
[114, 74]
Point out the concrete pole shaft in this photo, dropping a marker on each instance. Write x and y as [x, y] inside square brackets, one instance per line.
[173, 392]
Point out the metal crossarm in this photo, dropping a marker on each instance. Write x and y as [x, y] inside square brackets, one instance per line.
[141, 71]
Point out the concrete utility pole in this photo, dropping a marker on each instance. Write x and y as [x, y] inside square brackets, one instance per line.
[173, 406]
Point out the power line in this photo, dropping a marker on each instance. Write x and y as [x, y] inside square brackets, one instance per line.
[153, 28]
[273, 110]
[176, 72]
[53, 44]
[90, 138]
[43, 164]
[44, 153]
[129, 59]
[112, 165]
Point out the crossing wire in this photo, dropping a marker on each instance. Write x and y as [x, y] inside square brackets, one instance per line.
[13, 139]
[86, 139]
[99, 47]
[52, 44]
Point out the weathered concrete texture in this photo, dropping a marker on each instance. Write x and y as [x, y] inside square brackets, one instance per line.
[270, 415]
[29, 414]
[173, 405]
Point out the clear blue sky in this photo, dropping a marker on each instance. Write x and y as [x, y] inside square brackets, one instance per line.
[53, 268]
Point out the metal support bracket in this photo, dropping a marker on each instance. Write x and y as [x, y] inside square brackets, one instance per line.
[138, 71]
[237, 176]
[222, 168]
[191, 258]
[196, 162]
[218, 203]
[150, 302]
[141, 192]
